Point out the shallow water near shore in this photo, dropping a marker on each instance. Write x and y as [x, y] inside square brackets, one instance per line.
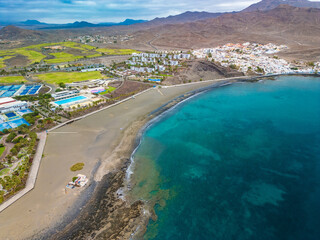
[238, 162]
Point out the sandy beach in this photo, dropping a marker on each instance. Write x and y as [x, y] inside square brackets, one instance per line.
[95, 141]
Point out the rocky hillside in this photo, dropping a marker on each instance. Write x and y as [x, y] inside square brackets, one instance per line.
[14, 33]
[284, 25]
[265, 5]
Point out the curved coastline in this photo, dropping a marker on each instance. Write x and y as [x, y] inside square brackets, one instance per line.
[110, 181]
[162, 112]
[152, 122]
[115, 182]
[140, 214]
[156, 116]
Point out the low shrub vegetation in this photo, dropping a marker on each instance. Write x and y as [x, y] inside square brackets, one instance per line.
[77, 167]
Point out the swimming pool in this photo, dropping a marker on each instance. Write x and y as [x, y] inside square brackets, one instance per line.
[70, 100]
[10, 114]
[24, 111]
[13, 124]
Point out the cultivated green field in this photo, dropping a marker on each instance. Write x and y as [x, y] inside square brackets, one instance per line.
[62, 57]
[32, 56]
[2, 65]
[68, 77]
[62, 52]
[12, 79]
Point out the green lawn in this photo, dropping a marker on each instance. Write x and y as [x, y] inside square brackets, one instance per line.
[79, 46]
[69, 77]
[2, 150]
[109, 90]
[12, 79]
[62, 57]
[110, 51]
[4, 171]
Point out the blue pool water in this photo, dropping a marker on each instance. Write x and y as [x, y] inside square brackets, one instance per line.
[70, 100]
[24, 111]
[10, 114]
[17, 122]
[14, 119]
[238, 162]
[13, 124]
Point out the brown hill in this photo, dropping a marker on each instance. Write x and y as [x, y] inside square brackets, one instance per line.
[296, 27]
[265, 5]
[183, 18]
[14, 33]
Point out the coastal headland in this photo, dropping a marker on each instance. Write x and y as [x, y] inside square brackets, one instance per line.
[103, 142]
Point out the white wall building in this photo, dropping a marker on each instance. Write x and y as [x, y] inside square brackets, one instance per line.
[65, 94]
[9, 104]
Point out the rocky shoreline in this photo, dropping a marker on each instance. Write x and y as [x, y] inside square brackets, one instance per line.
[103, 213]
[105, 216]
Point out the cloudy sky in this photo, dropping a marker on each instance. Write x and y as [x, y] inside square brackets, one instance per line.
[62, 11]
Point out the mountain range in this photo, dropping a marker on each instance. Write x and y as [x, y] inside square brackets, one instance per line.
[265, 5]
[297, 27]
[37, 25]
[185, 17]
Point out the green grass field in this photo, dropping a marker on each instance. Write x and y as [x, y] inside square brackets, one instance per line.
[2, 150]
[68, 77]
[62, 57]
[38, 53]
[109, 90]
[110, 51]
[12, 79]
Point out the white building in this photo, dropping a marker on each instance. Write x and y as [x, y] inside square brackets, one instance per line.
[65, 94]
[92, 69]
[9, 104]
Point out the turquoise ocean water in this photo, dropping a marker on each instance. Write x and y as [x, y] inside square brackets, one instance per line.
[238, 162]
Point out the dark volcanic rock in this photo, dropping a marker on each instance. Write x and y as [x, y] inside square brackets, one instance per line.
[206, 66]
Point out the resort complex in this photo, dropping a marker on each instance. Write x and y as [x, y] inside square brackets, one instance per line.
[90, 150]
[52, 92]
[127, 120]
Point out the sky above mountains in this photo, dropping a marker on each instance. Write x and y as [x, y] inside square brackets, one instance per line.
[63, 11]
